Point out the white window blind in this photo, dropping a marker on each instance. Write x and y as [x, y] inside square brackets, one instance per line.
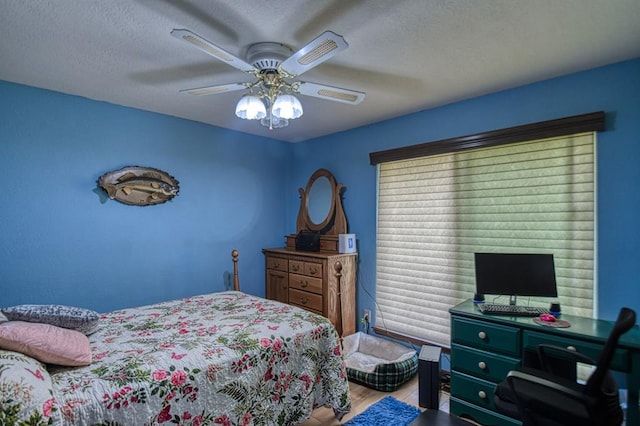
[435, 212]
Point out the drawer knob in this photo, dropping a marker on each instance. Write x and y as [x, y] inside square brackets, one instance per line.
[313, 271]
[304, 300]
[572, 348]
[304, 284]
[482, 365]
[482, 335]
[275, 265]
[482, 395]
[295, 268]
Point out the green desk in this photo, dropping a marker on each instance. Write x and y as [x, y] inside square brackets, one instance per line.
[484, 348]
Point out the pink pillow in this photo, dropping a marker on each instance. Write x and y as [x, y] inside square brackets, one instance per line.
[46, 343]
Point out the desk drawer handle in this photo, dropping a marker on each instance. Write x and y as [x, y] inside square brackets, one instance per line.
[572, 348]
[275, 266]
[482, 365]
[304, 300]
[295, 268]
[304, 284]
[482, 335]
[482, 395]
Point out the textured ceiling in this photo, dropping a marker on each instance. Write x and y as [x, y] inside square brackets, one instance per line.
[407, 55]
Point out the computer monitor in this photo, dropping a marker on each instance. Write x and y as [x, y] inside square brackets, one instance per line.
[515, 274]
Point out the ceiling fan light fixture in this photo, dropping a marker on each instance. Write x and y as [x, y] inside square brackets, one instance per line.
[274, 122]
[270, 97]
[250, 107]
[287, 107]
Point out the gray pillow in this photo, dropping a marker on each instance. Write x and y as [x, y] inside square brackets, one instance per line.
[83, 320]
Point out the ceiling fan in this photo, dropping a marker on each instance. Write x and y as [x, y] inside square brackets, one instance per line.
[271, 97]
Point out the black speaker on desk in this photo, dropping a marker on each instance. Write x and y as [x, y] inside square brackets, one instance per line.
[429, 377]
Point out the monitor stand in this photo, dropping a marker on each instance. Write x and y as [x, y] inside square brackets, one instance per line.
[512, 299]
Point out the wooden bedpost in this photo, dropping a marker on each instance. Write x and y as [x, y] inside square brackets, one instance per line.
[338, 267]
[236, 281]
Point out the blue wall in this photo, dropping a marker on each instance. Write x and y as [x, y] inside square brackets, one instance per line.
[614, 89]
[61, 243]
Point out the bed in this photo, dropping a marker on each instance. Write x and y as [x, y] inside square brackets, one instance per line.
[225, 358]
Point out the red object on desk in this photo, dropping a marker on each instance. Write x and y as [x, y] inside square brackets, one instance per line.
[547, 317]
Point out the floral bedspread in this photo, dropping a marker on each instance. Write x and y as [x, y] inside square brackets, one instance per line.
[217, 359]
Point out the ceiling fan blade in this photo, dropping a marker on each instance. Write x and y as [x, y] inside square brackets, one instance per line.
[214, 90]
[213, 50]
[331, 93]
[314, 53]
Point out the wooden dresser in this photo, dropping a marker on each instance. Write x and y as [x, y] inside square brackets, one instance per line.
[310, 280]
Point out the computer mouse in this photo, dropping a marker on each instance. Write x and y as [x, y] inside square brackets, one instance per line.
[547, 317]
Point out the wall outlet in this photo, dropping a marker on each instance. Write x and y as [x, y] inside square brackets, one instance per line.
[366, 316]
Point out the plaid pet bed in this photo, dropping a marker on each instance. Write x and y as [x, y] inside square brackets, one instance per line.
[386, 377]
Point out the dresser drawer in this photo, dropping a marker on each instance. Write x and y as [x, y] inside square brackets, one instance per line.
[482, 364]
[304, 299]
[478, 392]
[296, 266]
[313, 269]
[480, 415]
[483, 335]
[621, 359]
[277, 263]
[303, 282]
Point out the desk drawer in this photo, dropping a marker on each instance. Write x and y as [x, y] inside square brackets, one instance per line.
[302, 282]
[476, 391]
[483, 335]
[621, 359]
[482, 364]
[304, 299]
[482, 416]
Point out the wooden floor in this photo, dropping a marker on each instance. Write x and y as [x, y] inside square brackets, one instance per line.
[362, 397]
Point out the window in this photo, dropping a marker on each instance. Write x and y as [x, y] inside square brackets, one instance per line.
[435, 211]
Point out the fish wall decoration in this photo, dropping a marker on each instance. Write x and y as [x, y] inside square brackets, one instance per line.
[139, 186]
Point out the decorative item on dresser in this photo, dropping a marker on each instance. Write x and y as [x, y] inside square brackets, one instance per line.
[321, 211]
[322, 281]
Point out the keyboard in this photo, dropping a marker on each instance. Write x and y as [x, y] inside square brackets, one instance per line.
[517, 310]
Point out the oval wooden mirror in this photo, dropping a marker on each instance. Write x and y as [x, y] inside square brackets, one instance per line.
[321, 205]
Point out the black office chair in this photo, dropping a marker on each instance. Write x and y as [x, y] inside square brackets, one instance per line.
[543, 397]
